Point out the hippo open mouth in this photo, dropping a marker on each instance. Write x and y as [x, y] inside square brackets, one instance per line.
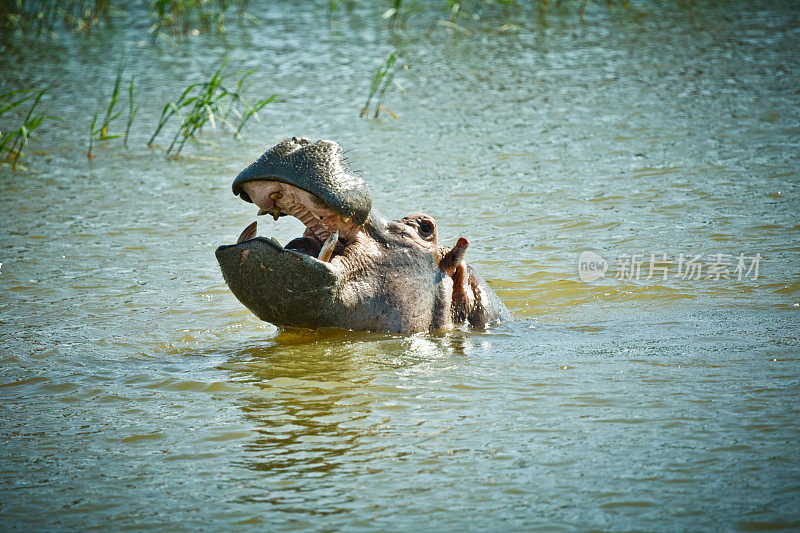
[352, 268]
[328, 232]
[311, 183]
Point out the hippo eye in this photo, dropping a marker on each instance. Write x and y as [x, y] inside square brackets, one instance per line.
[425, 228]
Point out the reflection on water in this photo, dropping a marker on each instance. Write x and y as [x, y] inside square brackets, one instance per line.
[327, 404]
[317, 394]
[137, 392]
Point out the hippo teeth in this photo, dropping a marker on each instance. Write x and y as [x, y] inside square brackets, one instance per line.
[326, 251]
[248, 233]
[320, 221]
[275, 212]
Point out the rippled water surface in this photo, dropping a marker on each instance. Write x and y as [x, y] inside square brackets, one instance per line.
[136, 392]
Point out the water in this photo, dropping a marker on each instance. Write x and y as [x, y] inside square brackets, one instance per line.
[138, 393]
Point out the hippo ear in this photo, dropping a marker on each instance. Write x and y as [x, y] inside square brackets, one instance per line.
[453, 265]
[455, 257]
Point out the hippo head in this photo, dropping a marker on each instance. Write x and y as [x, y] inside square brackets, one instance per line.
[352, 268]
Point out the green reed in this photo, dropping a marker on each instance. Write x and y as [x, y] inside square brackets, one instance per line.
[185, 16]
[132, 109]
[102, 131]
[13, 142]
[394, 15]
[381, 80]
[210, 102]
[458, 15]
[332, 6]
[45, 16]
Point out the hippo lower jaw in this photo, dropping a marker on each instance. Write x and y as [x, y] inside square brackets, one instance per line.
[279, 285]
[352, 268]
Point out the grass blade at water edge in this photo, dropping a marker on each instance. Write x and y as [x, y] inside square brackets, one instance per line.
[132, 109]
[211, 102]
[380, 82]
[14, 142]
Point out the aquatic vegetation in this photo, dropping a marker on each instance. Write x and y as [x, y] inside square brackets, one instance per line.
[185, 16]
[332, 5]
[381, 80]
[132, 109]
[395, 15]
[210, 102]
[101, 132]
[45, 16]
[458, 15]
[12, 142]
[171, 16]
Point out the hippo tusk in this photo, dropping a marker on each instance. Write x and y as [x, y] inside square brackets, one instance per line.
[248, 233]
[327, 249]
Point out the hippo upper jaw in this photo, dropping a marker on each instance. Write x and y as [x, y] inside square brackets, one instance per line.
[319, 168]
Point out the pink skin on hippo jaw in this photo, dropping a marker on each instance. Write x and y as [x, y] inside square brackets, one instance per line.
[352, 268]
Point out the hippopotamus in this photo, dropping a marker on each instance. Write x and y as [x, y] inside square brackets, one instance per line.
[352, 268]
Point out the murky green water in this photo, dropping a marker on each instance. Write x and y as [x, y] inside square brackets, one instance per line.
[138, 393]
